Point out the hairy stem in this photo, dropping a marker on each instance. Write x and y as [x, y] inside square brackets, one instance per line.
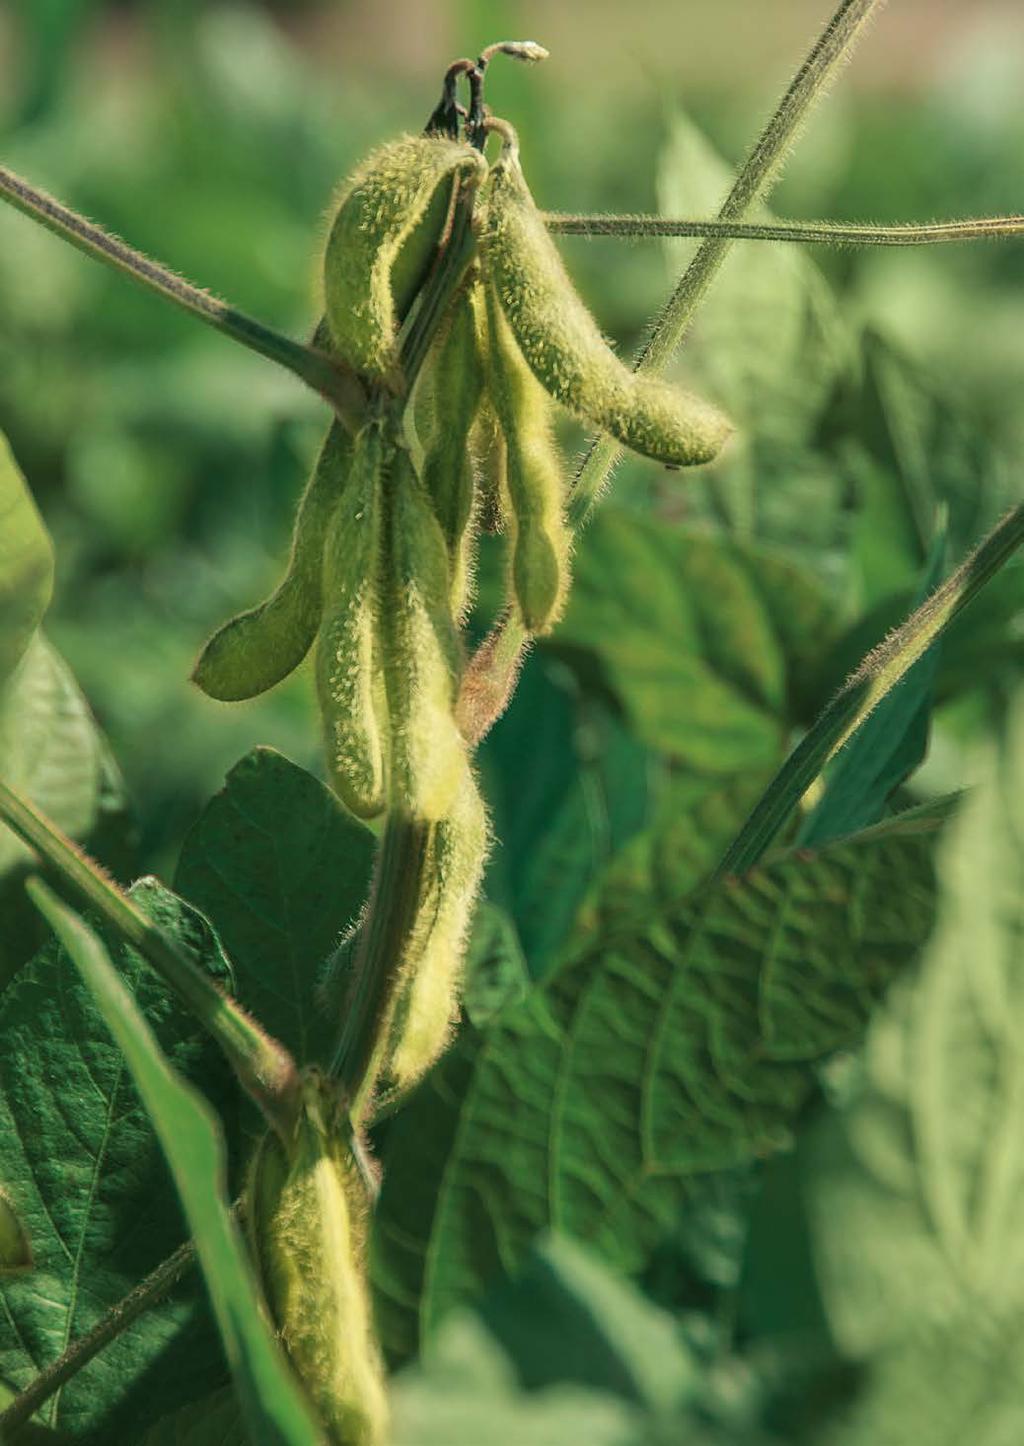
[877, 675]
[370, 1004]
[263, 1065]
[336, 383]
[110, 1325]
[824, 233]
[751, 185]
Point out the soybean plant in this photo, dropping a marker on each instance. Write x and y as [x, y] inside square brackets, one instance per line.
[451, 333]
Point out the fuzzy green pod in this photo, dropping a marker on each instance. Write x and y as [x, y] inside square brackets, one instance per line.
[540, 538]
[448, 475]
[348, 655]
[429, 1006]
[307, 1217]
[563, 344]
[397, 200]
[259, 647]
[421, 656]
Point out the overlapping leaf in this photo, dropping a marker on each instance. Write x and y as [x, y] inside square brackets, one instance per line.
[83, 1168]
[670, 1047]
[702, 637]
[281, 870]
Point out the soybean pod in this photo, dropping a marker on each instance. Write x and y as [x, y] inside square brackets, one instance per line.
[432, 968]
[389, 222]
[448, 474]
[348, 653]
[258, 648]
[563, 344]
[533, 474]
[420, 649]
[307, 1215]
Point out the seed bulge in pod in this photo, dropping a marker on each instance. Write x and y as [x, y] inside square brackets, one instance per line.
[398, 198]
[421, 652]
[429, 1005]
[539, 535]
[258, 648]
[307, 1218]
[563, 345]
[458, 378]
[348, 656]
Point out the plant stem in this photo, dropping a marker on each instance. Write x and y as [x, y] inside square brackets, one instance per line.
[263, 1065]
[750, 186]
[394, 902]
[336, 383]
[877, 675]
[825, 233]
[109, 1326]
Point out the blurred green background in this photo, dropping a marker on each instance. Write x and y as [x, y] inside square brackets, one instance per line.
[167, 461]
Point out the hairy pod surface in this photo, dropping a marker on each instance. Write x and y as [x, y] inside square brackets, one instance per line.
[564, 346]
[398, 198]
[448, 474]
[420, 648]
[307, 1216]
[429, 1006]
[348, 655]
[539, 536]
[258, 648]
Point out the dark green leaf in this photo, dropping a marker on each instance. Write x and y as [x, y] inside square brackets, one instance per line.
[701, 637]
[193, 1145]
[878, 674]
[890, 745]
[83, 1169]
[281, 870]
[567, 786]
[496, 974]
[216, 1421]
[682, 1043]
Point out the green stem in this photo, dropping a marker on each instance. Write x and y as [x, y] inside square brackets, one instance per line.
[370, 1004]
[824, 233]
[263, 1066]
[110, 1325]
[877, 675]
[337, 384]
[751, 185]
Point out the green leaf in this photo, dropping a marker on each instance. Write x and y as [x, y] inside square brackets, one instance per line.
[216, 1421]
[281, 870]
[468, 1392]
[194, 1147]
[953, 1386]
[702, 638]
[496, 973]
[878, 674]
[26, 564]
[52, 751]
[916, 1192]
[566, 786]
[81, 1163]
[680, 1043]
[567, 1317]
[889, 746]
